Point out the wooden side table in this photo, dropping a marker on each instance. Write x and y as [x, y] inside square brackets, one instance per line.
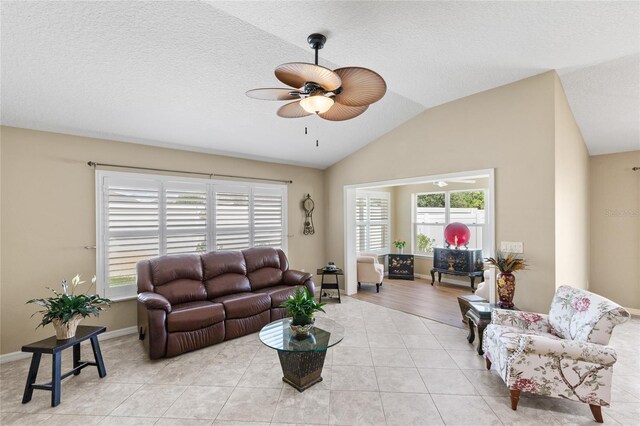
[330, 286]
[55, 347]
[465, 304]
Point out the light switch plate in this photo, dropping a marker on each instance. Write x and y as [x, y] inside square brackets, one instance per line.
[516, 247]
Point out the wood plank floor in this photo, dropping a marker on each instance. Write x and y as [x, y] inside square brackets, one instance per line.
[438, 302]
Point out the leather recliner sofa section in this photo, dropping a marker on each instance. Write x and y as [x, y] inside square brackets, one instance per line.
[189, 301]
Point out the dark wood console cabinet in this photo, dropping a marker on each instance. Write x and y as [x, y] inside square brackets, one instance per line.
[461, 262]
[401, 266]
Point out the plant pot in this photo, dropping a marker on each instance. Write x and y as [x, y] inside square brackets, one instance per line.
[400, 251]
[506, 285]
[67, 330]
[302, 326]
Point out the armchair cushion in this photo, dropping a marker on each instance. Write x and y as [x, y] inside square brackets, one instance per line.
[583, 316]
[521, 320]
[154, 301]
[567, 349]
[366, 259]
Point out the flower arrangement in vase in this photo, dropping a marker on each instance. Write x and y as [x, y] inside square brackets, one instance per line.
[301, 307]
[507, 264]
[400, 244]
[66, 310]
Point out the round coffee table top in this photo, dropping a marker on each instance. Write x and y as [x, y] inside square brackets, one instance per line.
[325, 333]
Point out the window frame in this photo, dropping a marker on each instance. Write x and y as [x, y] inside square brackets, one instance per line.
[447, 217]
[127, 292]
[367, 222]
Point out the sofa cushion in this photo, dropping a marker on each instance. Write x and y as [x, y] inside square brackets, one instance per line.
[217, 263]
[279, 293]
[263, 267]
[242, 305]
[165, 269]
[182, 291]
[194, 316]
[225, 284]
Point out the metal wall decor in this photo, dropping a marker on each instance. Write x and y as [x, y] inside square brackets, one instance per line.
[308, 206]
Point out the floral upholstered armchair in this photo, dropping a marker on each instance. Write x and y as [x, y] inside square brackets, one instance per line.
[563, 354]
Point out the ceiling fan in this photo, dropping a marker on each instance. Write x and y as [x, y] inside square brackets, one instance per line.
[335, 95]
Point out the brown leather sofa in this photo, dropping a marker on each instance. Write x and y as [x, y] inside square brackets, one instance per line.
[189, 301]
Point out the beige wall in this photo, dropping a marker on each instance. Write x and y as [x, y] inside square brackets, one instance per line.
[615, 227]
[571, 197]
[48, 216]
[509, 128]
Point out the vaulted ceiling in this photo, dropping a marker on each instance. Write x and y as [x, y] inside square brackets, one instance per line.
[174, 73]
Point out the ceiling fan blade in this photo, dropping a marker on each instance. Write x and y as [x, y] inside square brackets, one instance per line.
[292, 110]
[339, 112]
[360, 86]
[296, 74]
[272, 94]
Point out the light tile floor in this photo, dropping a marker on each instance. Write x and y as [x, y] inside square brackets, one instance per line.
[426, 375]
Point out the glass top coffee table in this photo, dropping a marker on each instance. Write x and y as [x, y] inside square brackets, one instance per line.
[302, 359]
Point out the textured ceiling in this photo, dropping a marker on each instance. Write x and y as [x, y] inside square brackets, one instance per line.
[174, 73]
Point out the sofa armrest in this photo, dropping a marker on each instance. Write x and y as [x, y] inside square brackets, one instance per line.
[569, 349]
[292, 277]
[520, 319]
[154, 301]
[366, 259]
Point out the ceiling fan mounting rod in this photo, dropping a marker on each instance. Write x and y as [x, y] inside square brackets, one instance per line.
[316, 42]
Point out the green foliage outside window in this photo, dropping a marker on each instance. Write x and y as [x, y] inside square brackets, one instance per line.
[462, 199]
[431, 200]
[467, 199]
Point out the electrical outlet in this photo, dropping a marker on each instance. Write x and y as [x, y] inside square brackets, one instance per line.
[512, 247]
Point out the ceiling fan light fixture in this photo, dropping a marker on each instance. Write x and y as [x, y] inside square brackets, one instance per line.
[316, 104]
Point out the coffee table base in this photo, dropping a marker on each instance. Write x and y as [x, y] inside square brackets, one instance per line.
[302, 369]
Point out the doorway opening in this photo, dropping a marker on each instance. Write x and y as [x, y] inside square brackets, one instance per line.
[416, 211]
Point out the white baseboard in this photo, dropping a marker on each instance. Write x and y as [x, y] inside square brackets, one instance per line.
[14, 356]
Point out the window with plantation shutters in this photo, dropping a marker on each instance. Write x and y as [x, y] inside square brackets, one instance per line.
[233, 222]
[268, 216]
[373, 221]
[143, 216]
[186, 218]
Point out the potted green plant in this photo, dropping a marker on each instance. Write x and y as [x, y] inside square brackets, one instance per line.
[301, 307]
[507, 264]
[400, 244]
[66, 310]
[424, 243]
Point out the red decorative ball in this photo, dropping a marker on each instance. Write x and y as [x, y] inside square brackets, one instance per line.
[459, 230]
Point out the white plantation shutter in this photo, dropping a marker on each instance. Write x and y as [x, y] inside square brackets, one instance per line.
[372, 221]
[232, 213]
[131, 230]
[361, 224]
[186, 218]
[144, 216]
[268, 216]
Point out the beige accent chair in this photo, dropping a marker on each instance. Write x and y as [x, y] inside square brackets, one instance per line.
[370, 270]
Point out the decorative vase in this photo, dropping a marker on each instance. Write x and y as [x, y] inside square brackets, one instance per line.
[68, 329]
[304, 327]
[399, 250]
[506, 284]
